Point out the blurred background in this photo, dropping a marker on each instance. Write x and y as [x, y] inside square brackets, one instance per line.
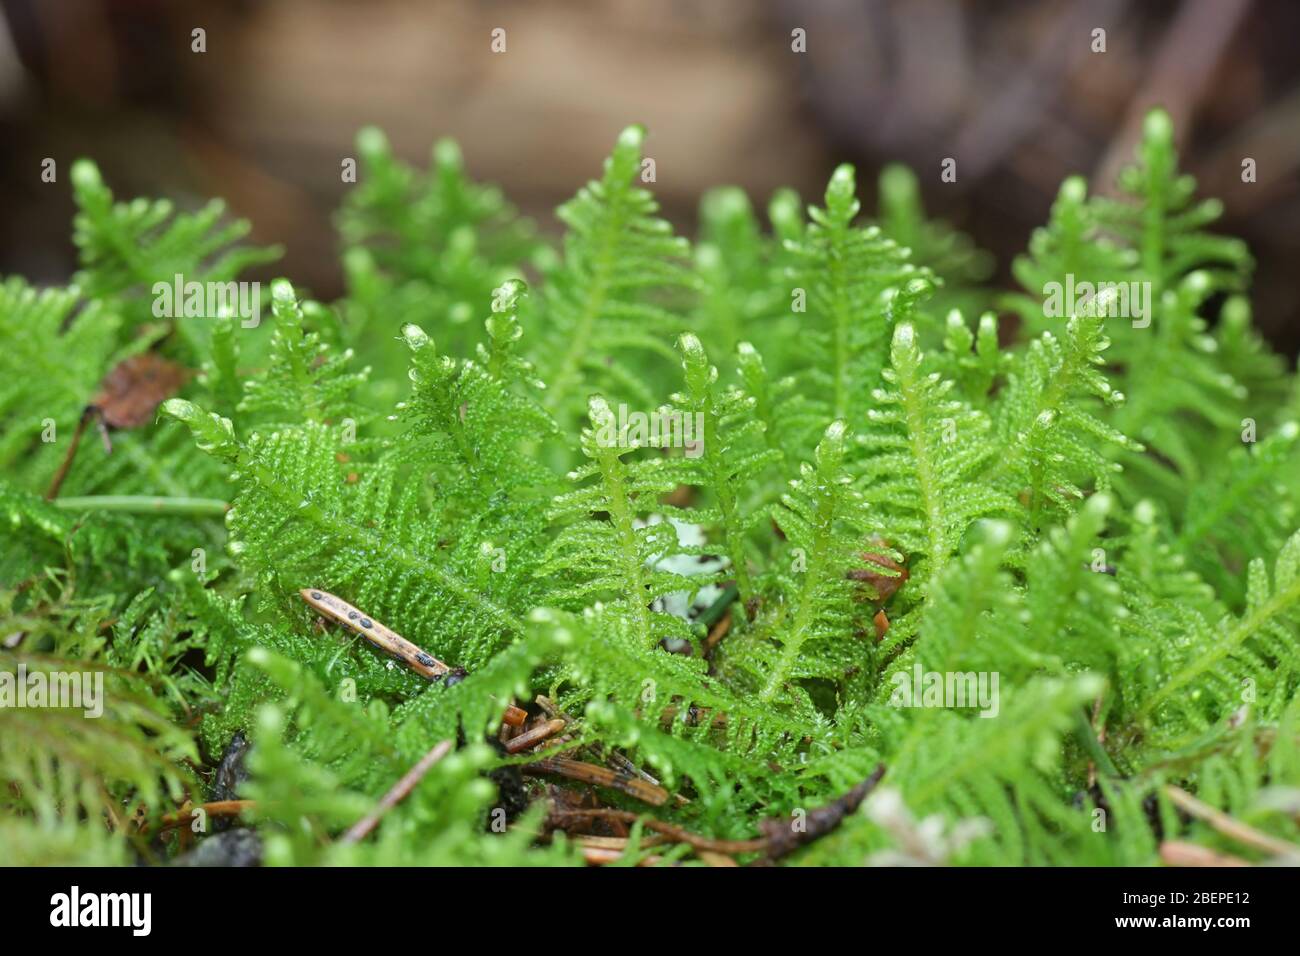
[1010, 89]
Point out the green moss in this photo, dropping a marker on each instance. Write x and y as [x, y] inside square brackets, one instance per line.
[885, 489]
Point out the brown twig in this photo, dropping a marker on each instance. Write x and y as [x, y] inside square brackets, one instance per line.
[717, 633]
[339, 611]
[612, 756]
[779, 837]
[599, 856]
[1101, 739]
[627, 783]
[1232, 828]
[399, 792]
[670, 830]
[531, 738]
[218, 808]
[627, 766]
[56, 482]
[784, 839]
[713, 858]
[1178, 853]
[1262, 741]
[619, 843]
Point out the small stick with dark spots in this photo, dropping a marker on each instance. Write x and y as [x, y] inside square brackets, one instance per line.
[387, 640]
[339, 611]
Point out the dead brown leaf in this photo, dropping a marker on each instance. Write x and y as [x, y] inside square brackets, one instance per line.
[133, 390]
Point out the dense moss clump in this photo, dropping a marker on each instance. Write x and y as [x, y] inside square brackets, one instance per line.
[740, 525]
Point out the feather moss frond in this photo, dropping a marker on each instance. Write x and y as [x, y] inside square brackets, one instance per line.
[856, 481]
[601, 303]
